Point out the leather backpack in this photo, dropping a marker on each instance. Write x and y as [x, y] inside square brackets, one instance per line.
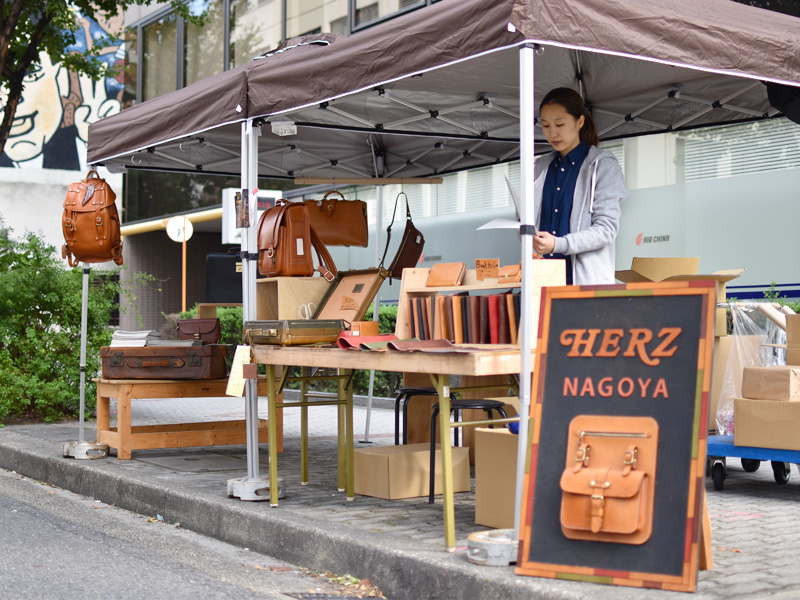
[91, 223]
[285, 238]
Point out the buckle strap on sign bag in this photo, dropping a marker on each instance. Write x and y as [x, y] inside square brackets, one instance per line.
[285, 237]
[90, 223]
[411, 245]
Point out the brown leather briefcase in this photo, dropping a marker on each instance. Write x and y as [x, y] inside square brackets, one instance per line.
[339, 222]
[165, 362]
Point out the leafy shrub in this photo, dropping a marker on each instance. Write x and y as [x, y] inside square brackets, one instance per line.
[40, 329]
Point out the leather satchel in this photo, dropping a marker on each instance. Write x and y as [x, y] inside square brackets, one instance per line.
[339, 222]
[285, 238]
[205, 330]
[90, 223]
[410, 248]
[608, 484]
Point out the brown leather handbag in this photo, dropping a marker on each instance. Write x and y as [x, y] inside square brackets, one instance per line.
[205, 330]
[410, 248]
[285, 238]
[608, 485]
[91, 223]
[339, 222]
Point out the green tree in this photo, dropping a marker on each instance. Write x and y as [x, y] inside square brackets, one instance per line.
[32, 27]
[40, 329]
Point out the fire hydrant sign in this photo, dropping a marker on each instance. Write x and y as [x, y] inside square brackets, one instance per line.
[614, 487]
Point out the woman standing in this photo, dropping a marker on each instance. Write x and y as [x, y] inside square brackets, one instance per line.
[581, 187]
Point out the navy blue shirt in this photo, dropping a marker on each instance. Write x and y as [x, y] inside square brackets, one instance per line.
[559, 188]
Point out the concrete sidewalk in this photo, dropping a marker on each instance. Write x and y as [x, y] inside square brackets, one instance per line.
[398, 544]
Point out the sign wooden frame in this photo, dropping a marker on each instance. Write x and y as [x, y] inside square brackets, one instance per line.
[576, 374]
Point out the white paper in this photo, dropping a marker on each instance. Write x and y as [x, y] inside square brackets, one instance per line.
[236, 378]
[500, 223]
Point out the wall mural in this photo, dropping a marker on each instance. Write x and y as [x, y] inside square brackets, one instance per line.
[51, 127]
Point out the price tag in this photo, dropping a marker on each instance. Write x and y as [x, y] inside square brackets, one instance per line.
[487, 268]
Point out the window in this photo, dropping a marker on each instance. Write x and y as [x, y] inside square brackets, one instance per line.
[203, 46]
[159, 57]
[255, 29]
[366, 11]
[308, 16]
[738, 149]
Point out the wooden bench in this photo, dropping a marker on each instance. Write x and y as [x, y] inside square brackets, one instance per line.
[127, 437]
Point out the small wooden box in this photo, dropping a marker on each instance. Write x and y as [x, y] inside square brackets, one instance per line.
[289, 297]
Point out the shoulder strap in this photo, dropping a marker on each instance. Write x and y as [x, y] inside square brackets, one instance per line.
[389, 228]
[326, 267]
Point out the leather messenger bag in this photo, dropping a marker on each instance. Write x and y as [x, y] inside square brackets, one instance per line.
[285, 238]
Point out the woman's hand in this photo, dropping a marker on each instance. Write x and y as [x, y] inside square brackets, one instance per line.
[543, 243]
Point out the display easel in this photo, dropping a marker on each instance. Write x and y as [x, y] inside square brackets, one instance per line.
[83, 449]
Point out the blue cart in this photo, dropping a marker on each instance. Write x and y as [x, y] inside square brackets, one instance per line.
[721, 446]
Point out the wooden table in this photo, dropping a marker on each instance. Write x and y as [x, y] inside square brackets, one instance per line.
[438, 365]
[126, 437]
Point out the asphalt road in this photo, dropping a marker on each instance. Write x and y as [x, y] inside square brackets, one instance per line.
[59, 545]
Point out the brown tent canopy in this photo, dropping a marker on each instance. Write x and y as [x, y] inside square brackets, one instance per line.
[437, 91]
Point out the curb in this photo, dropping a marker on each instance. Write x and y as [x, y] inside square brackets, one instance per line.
[401, 573]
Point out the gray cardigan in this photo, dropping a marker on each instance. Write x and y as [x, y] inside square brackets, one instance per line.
[594, 221]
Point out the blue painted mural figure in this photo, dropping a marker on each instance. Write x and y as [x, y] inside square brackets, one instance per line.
[51, 127]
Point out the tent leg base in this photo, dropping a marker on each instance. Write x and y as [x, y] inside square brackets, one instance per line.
[85, 450]
[253, 490]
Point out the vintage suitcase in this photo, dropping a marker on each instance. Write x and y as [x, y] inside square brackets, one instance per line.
[293, 333]
[165, 362]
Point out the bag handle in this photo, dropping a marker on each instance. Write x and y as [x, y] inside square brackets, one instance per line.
[89, 174]
[341, 195]
[389, 228]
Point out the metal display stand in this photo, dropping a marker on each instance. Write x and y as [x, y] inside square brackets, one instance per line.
[252, 487]
[83, 449]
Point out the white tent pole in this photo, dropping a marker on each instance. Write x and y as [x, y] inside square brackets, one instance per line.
[526, 127]
[84, 327]
[377, 305]
[248, 308]
[83, 449]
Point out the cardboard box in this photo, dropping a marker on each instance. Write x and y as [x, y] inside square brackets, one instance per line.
[495, 477]
[646, 269]
[767, 424]
[394, 472]
[722, 350]
[771, 383]
[721, 323]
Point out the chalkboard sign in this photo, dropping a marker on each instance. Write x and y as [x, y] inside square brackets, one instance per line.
[614, 486]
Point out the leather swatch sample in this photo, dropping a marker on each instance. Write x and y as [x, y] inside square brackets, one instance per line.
[446, 274]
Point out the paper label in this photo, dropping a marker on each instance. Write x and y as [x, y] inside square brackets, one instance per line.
[299, 246]
[487, 268]
[236, 378]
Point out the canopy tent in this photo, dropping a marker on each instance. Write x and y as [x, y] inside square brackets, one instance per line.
[438, 91]
[453, 88]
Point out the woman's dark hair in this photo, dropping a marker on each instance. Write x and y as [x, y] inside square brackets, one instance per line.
[573, 104]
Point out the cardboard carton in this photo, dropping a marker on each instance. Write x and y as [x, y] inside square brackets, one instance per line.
[767, 424]
[722, 350]
[394, 472]
[771, 383]
[646, 269]
[495, 477]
